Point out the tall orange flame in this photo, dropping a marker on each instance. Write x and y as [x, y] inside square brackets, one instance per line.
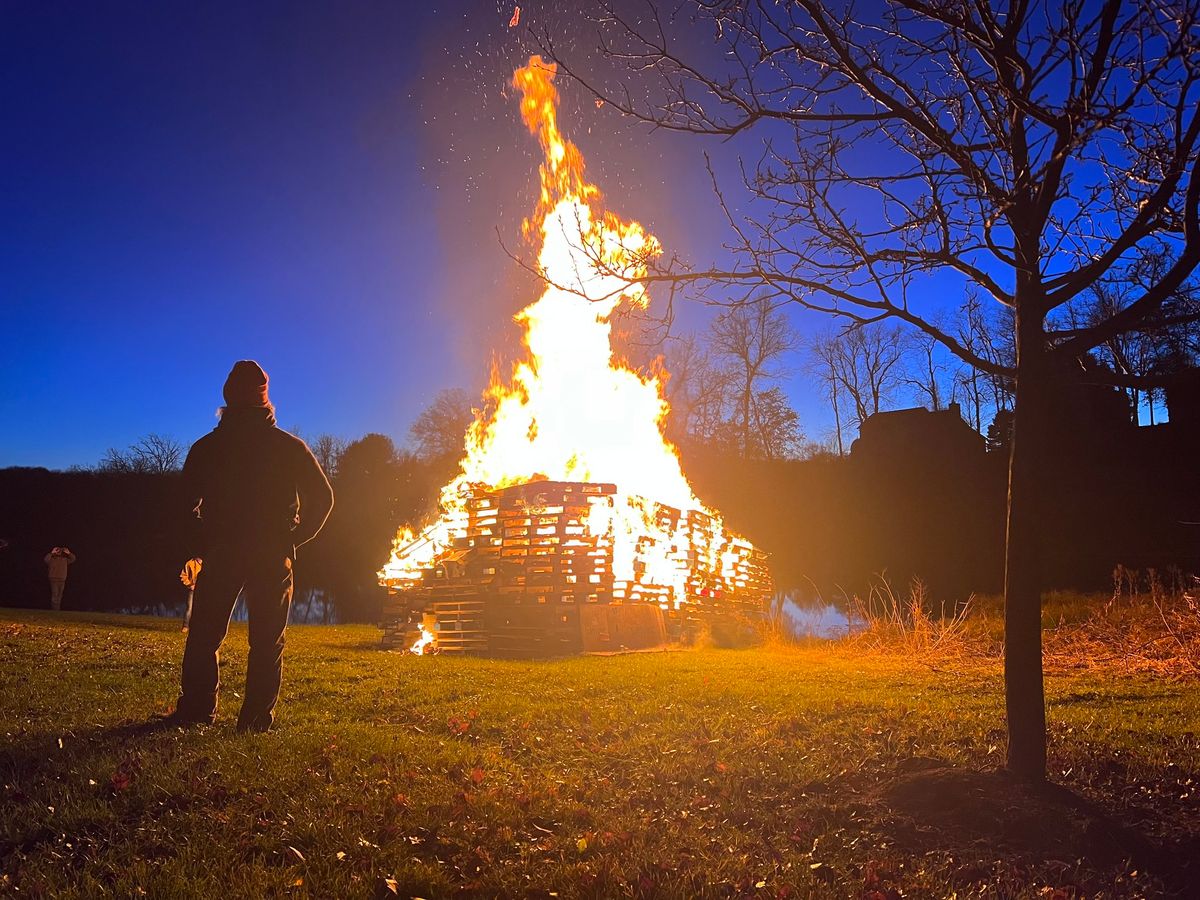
[570, 411]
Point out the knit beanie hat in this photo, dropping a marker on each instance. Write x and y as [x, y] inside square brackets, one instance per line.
[246, 385]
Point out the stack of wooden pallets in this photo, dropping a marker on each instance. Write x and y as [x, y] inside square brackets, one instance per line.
[542, 546]
[525, 561]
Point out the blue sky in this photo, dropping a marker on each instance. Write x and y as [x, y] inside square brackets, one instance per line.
[318, 186]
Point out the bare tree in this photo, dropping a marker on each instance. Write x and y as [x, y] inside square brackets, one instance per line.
[152, 454]
[752, 339]
[925, 372]
[862, 369]
[776, 433]
[440, 430]
[697, 390]
[988, 333]
[822, 364]
[328, 450]
[1167, 342]
[1129, 353]
[1028, 150]
[118, 461]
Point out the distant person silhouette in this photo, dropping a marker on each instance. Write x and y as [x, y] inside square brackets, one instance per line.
[259, 493]
[188, 575]
[57, 561]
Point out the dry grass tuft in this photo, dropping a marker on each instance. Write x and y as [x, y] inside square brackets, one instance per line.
[904, 623]
[1150, 624]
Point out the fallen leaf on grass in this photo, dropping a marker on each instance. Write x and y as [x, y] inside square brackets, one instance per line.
[299, 855]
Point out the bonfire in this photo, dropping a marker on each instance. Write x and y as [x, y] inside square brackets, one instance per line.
[570, 524]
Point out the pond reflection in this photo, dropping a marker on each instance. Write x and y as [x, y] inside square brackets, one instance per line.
[806, 616]
[309, 607]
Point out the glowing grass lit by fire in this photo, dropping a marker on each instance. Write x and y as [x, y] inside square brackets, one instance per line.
[569, 411]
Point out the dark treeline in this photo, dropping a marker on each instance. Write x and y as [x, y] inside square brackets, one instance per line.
[922, 491]
[131, 533]
[919, 494]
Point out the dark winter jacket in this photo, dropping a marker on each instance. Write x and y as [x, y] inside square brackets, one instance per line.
[254, 486]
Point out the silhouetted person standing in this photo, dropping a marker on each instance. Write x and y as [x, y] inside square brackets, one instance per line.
[57, 561]
[259, 493]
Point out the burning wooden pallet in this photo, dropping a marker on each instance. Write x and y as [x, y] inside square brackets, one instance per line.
[530, 559]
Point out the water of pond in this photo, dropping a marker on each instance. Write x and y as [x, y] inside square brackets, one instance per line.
[804, 616]
[311, 607]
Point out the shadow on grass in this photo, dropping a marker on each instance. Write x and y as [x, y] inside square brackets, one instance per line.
[35, 761]
[924, 805]
[46, 753]
[935, 806]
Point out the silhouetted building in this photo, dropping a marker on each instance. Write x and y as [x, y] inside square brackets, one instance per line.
[919, 431]
[928, 502]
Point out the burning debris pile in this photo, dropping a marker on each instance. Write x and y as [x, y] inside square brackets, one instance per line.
[533, 571]
[570, 525]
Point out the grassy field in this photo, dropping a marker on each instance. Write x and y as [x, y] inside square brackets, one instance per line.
[776, 772]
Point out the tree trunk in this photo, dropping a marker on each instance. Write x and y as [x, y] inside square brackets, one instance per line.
[837, 419]
[1024, 694]
[746, 420]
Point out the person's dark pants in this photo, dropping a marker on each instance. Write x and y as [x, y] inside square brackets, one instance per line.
[266, 581]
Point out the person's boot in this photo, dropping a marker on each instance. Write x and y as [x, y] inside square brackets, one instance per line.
[255, 726]
[179, 719]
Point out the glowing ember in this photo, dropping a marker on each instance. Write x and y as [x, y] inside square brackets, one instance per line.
[570, 412]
